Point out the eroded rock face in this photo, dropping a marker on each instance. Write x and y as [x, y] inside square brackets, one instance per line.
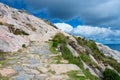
[2, 13]
[109, 52]
[9, 42]
[18, 28]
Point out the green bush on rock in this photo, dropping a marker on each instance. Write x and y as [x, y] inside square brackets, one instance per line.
[109, 74]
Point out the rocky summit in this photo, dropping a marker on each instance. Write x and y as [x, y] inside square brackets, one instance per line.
[34, 49]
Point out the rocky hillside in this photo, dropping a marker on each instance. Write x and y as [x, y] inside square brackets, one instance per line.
[18, 28]
[34, 49]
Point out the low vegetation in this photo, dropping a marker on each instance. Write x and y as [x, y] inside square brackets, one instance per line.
[48, 22]
[3, 60]
[59, 43]
[99, 56]
[23, 46]
[3, 78]
[62, 41]
[110, 75]
[1, 23]
[31, 27]
[16, 31]
[87, 60]
[2, 55]
[74, 75]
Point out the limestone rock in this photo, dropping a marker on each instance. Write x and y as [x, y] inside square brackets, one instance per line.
[18, 28]
[109, 52]
[58, 77]
[63, 68]
[42, 69]
[7, 72]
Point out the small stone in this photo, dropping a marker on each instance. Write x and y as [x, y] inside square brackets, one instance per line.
[33, 56]
[58, 77]
[64, 61]
[41, 77]
[24, 77]
[18, 62]
[7, 72]
[43, 69]
[33, 66]
[80, 75]
[33, 61]
[17, 68]
[35, 71]
[45, 60]
[12, 62]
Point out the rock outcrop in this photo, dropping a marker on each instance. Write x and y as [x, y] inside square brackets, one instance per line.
[109, 52]
[18, 28]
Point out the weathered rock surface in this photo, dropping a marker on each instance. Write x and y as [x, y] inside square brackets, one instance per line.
[109, 52]
[58, 77]
[7, 72]
[18, 28]
[63, 68]
[42, 69]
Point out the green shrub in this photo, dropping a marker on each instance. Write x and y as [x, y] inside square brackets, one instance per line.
[55, 44]
[59, 37]
[1, 23]
[109, 74]
[23, 46]
[81, 41]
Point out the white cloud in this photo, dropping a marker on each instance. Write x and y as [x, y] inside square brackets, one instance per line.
[91, 12]
[96, 33]
[65, 27]
[92, 31]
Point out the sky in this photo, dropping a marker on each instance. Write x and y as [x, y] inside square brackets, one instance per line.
[93, 19]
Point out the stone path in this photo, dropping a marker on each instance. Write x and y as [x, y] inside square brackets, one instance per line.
[36, 63]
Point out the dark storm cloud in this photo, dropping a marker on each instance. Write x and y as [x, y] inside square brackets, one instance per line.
[91, 12]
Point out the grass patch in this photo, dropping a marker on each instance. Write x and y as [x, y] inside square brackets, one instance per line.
[58, 59]
[89, 75]
[87, 60]
[3, 78]
[4, 59]
[2, 56]
[73, 75]
[51, 71]
[53, 49]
